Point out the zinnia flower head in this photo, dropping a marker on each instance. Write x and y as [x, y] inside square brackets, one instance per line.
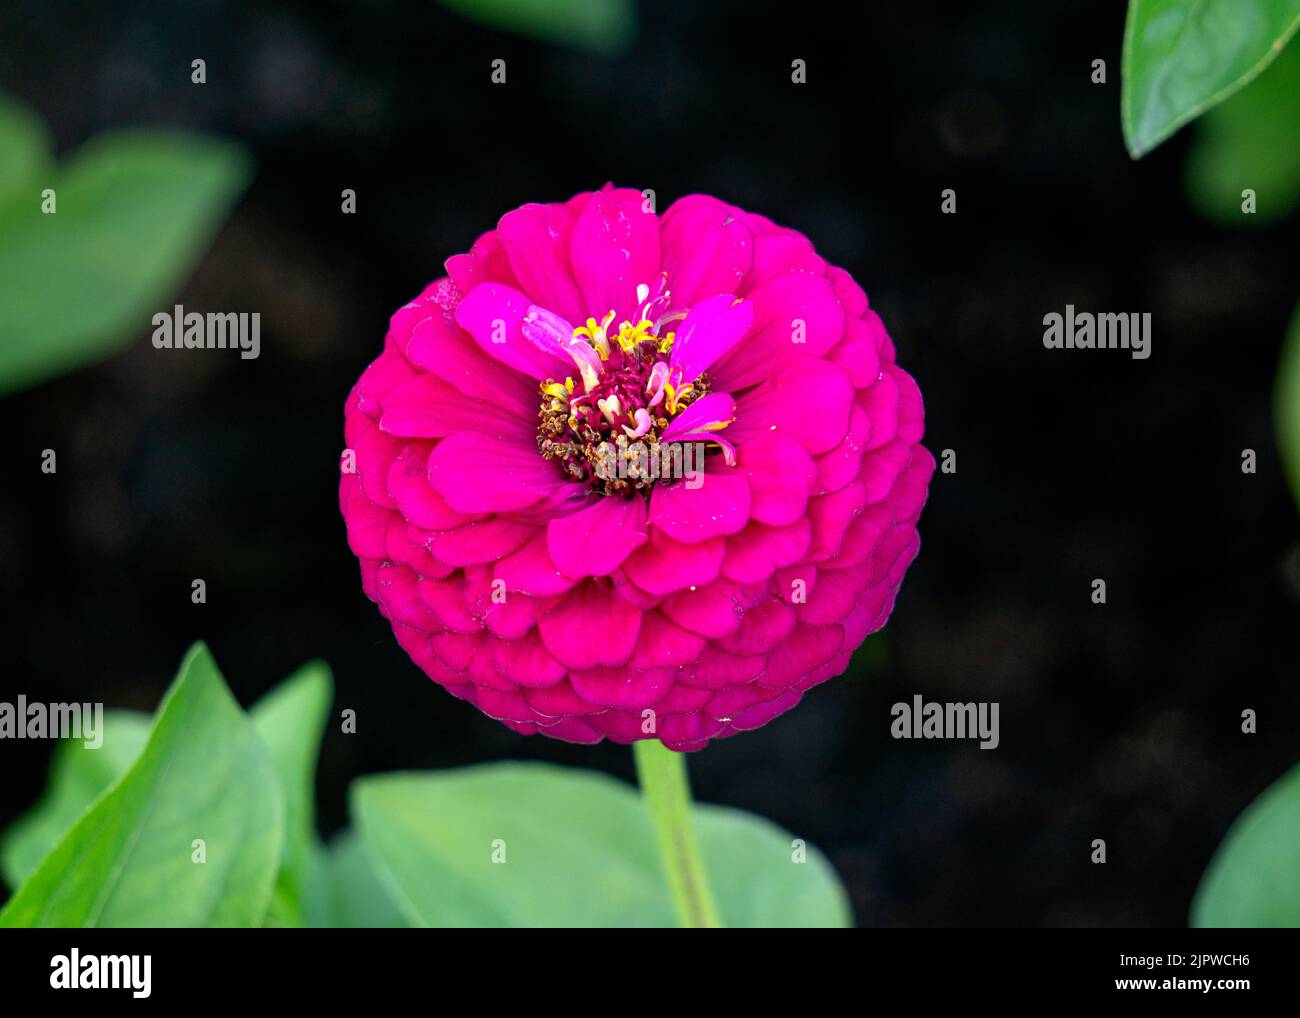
[635, 476]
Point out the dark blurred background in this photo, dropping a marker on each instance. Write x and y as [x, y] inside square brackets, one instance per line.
[1119, 722]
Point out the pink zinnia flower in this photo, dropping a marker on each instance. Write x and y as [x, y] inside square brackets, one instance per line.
[516, 492]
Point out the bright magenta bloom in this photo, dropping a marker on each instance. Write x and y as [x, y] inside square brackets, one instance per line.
[629, 476]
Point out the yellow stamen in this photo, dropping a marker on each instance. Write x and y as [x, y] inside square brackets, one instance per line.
[596, 334]
[672, 396]
[630, 336]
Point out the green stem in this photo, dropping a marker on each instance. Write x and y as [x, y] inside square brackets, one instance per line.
[667, 791]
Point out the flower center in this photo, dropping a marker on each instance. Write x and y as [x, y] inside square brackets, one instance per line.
[605, 428]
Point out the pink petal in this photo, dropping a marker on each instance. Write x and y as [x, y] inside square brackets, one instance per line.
[408, 482]
[591, 627]
[882, 467]
[762, 628]
[407, 319]
[367, 523]
[780, 304]
[485, 263]
[760, 714]
[508, 706]
[780, 474]
[512, 618]
[664, 564]
[830, 515]
[630, 592]
[807, 649]
[884, 345]
[866, 531]
[526, 661]
[911, 411]
[716, 668]
[731, 700]
[536, 241]
[841, 465]
[780, 250]
[554, 336]
[884, 557]
[558, 699]
[683, 699]
[713, 611]
[662, 643]
[375, 452]
[688, 732]
[709, 332]
[479, 474]
[758, 550]
[531, 571]
[446, 600]
[711, 409]
[834, 596]
[719, 505]
[405, 543]
[596, 540]
[856, 354]
[795, 583]
[480, 541]
[493, 314]
[427, 407]
[847, 291]
[385, 371]
[444, 350]
[913, 487]
[807, 398]
[707, 249]
[628, 688]
[880, 402]
[398, 596]
[613, 249]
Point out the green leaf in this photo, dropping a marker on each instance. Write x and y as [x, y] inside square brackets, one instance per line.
[755, 880]
[1250, 141]
[1286, 405]
[134, 211]
[290, 721]
[579, 851]
[346, 890]
[204, 774]
[1183, 56]
[1254, 878]
[25, 146]
[602, 27]
[77, 777]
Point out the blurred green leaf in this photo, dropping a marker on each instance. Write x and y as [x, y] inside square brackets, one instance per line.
[345, 888]
[1286, 405]
[25, 147]
[77, 776]
[135, 210]
[1181, 57]
[755, 879]
[290, 721]
[579, 851]
[602, 27]
[127, 861]
[1250, 141]
[1254, 878]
